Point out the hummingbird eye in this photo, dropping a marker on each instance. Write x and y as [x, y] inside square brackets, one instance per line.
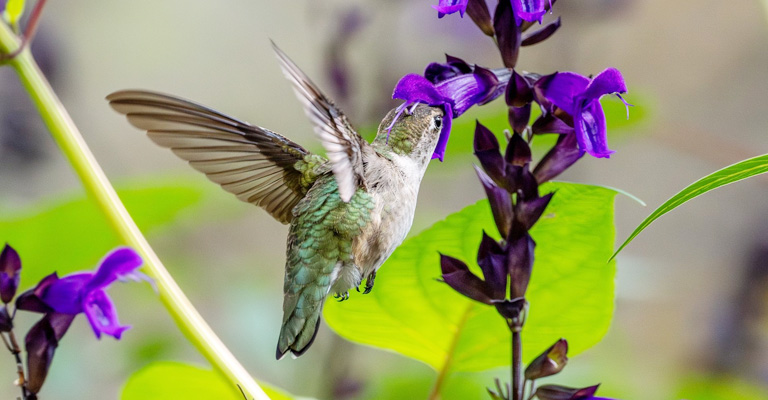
[438, 122]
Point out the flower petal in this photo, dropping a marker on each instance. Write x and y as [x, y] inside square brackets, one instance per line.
[478, 11]
[529, 10]
[562, 89]
[120, 262]
[491, 259]
[469, 89]
[445, 133]
[541, 34]
[457, 276]
[558, 159]
[508, 34]
[31, 300]
[102, 315]
[450, 6]
[500, 200]
[606, 82]
[65, 295]
[10, 265]
[591, 132]
[415, 88]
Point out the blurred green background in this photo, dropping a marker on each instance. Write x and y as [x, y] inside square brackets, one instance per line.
[691, 316]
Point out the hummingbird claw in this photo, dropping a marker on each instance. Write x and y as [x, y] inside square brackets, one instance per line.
[341, 296]
[369, 282]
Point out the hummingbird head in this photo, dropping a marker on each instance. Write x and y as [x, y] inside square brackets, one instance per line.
[414, 134]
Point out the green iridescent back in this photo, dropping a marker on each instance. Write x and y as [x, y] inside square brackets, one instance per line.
[321, 235]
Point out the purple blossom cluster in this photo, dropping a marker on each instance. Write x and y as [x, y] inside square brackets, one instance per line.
[570, 108]
[60, 300]
[569, 102]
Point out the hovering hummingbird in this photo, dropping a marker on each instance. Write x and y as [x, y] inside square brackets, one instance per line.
[347, 212]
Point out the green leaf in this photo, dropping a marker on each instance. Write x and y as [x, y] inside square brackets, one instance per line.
[174, 380]
[571, 291]
[734, 173]
[13, 11]
[721, 388]
[72, 234]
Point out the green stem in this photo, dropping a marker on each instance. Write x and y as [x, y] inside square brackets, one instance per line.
[98, 187]
[434, 393]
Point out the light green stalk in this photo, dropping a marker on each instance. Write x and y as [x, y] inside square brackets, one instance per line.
[98, 187]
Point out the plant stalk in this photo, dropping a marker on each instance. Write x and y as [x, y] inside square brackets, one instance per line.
[73, 145]
[517, 365]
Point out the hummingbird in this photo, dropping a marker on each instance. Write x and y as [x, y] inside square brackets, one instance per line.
[347, 211]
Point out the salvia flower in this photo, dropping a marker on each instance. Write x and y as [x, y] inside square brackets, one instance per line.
[84, 292]
[10, 268]
[557, 392]
[579, 97]
[452, 89]
[529, 10]
[446, 7]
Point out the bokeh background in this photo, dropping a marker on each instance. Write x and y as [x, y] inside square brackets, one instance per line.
[691, 316]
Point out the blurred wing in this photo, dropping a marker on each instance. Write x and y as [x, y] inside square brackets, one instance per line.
[253, 163]
[343, 145]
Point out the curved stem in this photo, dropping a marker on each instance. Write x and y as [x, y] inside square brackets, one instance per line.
[434, 393]
[71, 142]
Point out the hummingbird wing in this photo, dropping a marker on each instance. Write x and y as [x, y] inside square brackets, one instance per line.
[255, 164]
[343, 145]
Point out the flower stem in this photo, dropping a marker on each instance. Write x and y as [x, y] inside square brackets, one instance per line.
[71, 142]
[517, 364]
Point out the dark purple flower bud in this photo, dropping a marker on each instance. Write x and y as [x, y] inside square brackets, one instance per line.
[6, 322]
[492, 261]
[557, 392]
[478, 11]
[565, 153]
[32, 299]
[457, 275]
[10, 266]
[518, 151]
[508, 34]
[542, 34]
[519, 91]
[454, 66]
[550, 362]
[512, 310]
[488, 153]
[446, 7]
[500, 201]
[41, 342]
[527, 212]
[519, 117]
[548, 123]
[519, 264]
[529, 10]
[579, 97]
[518, 179]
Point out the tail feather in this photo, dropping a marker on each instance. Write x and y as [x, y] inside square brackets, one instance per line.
[297, 333]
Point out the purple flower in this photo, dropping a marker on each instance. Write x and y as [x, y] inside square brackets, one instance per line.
[557, 392]
[529, 10]
[446, 7]
[451, 87]
[84, 292]
[10, 267]
[579, 96]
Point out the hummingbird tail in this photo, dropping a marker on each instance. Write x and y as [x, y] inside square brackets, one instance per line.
[298, 332]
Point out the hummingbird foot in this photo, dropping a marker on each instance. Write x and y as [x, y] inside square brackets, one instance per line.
[341, 296]
[369, 282]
